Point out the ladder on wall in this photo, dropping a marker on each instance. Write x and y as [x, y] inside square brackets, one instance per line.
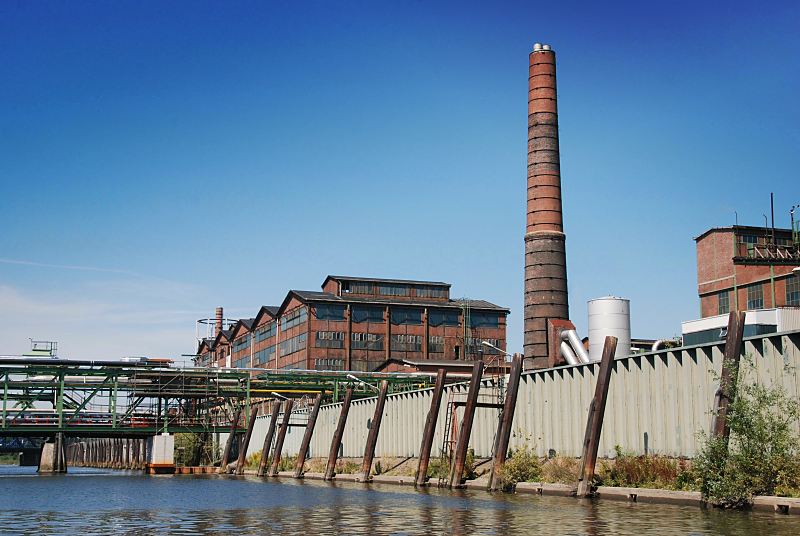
[448, 440]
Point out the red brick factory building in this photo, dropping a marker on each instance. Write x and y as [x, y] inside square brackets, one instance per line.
[744, 268]
[747, 268]
[360, 324]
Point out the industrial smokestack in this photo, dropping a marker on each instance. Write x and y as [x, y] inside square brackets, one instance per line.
[218, 321]
[545, 255]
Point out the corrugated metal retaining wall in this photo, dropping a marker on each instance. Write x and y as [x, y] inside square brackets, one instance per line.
[667, 395]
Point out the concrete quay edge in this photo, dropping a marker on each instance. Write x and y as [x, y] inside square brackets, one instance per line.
[781, 505]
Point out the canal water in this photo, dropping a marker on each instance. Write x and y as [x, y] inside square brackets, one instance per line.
[90, 501]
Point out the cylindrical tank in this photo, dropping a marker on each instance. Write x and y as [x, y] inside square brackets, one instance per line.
[609, 315]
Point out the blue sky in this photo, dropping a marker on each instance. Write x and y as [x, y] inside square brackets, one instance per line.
[158, 159]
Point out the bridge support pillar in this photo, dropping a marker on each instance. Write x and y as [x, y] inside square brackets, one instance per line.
[161, 454]
[53, 459]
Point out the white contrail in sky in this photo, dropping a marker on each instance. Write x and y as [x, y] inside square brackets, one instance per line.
[68, 267]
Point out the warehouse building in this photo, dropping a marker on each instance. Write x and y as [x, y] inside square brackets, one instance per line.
[361, 324]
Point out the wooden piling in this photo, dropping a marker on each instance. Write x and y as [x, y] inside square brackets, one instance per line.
[229, 443]
[507, 419]
[462, 443]
[312, 422]
[374, 429]
[333, 455]
[730, 374]
[276, 456]
[594, 422]
[273, 420]
[421, 476]
[246, 443]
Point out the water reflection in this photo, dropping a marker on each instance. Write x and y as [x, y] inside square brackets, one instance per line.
[117, 503]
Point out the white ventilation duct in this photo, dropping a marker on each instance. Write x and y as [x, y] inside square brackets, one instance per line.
[568, 354]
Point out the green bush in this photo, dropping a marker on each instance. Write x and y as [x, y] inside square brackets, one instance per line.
[439, 468]
[522, 466]
[762, 456]
[186, 446]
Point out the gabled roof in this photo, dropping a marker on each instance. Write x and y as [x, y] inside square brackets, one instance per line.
[208, 343]
[243, 324]
[306, 296]
[381, 280]
[224, 334]
[271, 311]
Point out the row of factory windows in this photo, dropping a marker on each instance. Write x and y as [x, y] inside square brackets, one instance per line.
[406, 316]
[755, 296]
[393, 289]
[763, 240]
[361, 341]
[360, 314]
[399, 343]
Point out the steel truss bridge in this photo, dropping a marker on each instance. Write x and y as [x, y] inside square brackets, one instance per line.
[43, 397]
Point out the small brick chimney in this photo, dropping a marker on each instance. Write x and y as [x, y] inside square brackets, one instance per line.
[218, 321]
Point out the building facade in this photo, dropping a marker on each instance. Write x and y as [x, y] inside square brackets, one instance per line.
[747, 268]
[361, 324]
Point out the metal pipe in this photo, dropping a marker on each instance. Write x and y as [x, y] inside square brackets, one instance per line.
[660, 344]
[577, 346]
[568, 354]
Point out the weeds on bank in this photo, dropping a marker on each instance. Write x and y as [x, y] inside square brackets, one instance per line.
[521, 466]
[253, 461]
[762, 456]
[647, 471]
[561, 470]
[440, 467]
[347, 467]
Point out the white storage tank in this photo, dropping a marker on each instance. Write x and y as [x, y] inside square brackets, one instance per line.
[609, 316]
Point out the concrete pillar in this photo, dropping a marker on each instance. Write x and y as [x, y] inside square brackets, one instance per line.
[161, 454]
[53, 458]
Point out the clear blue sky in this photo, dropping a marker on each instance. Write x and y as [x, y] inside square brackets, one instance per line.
[160, 158]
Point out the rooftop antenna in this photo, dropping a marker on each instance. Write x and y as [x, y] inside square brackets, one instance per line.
[772, 211]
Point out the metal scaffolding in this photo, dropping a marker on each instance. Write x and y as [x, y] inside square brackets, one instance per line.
[91, 398]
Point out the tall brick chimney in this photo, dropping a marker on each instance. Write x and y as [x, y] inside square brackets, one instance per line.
[545, 255]
[217, 321]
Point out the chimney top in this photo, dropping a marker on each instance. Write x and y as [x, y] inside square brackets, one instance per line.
[538, 47]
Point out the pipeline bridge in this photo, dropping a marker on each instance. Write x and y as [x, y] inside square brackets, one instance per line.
[43, 397]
